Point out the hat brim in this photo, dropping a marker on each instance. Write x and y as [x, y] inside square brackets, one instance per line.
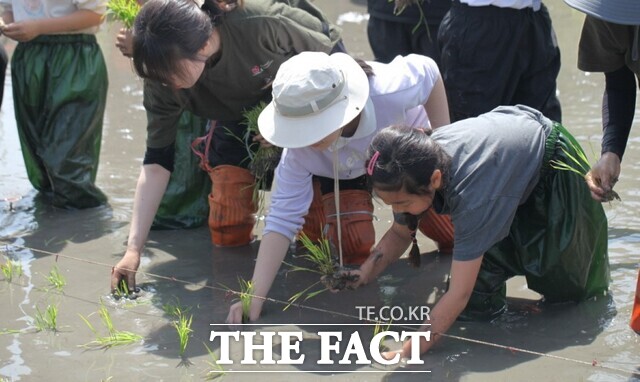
[624, 12]
[296, 132]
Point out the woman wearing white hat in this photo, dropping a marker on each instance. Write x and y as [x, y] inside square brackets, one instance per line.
[325, 112]
[610, 43]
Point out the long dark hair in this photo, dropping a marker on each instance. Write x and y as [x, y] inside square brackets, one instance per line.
[165, 32]
[407, 158]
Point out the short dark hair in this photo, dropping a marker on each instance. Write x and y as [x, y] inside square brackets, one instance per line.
[166, 31]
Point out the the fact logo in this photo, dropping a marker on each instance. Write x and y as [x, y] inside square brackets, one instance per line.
[330, 344]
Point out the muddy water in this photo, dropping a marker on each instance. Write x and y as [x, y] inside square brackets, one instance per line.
[590, 341]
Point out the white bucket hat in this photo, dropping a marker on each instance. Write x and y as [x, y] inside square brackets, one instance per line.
[625, 12]
[314, 94]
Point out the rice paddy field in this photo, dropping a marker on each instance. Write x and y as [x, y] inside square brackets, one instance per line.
[58, 321]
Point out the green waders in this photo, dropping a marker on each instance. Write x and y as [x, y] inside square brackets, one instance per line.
[59, 90]
[558, 240]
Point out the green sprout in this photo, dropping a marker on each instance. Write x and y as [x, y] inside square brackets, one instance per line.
[175, 310]
[124, 10]
[379, 328]
[246, 293]
[323, 262]
[114, 338]
[11, 269]
[123, 291]
[401, 5]
[216, 369]
[183, 327]
[56, 279]
[264, 160]
[47, 320]
[579, 164]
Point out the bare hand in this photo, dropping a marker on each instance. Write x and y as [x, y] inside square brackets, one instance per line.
[603, 176]
[22, 31]
[125, 270]
[235, 313]
[361, 276]
[263, 142]
[124, 42]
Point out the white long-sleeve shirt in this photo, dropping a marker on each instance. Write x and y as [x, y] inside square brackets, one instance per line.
[397, 93]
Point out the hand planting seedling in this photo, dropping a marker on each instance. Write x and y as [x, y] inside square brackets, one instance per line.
[379, 328]
[245, 295]
[122, 291]
[325, 262]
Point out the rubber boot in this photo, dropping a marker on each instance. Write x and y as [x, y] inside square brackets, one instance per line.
[439, 229]
[635, 314]
[314, 221]
[231, 207]
[356, 219]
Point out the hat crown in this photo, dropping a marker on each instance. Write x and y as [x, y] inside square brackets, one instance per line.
[306, 83]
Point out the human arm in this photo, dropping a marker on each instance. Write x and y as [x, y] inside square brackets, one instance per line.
[152, 183]
[271, 253]
[437, 107]
[618, 109]
[389, 249]
[290, 201]
[27, 30]
[449, 307]
[124, 42]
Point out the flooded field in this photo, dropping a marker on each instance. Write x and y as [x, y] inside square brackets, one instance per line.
[590, 341]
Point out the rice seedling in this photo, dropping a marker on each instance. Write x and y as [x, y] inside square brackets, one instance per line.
[10, 331]
[10, 270]
[217, 370]
[122, 291]
[263, 160]
[114, 338]
[175, 310]
[183, 327]
[124, 10]
[325, 263]
[244, 296]
[56, 279]
[47, 320]
[401, 5]
[379, 328]
[580, 165]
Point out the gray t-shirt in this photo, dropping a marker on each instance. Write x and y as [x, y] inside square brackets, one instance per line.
[496, 161]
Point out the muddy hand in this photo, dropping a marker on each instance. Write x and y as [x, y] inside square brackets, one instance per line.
[235, 315]
[125, 270]
[603, 176]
